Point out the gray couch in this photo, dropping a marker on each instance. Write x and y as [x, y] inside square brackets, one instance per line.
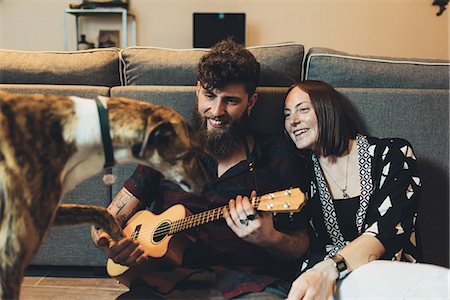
[389, 97]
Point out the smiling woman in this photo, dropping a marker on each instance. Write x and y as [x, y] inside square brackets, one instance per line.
[301, 111]
[363, 204]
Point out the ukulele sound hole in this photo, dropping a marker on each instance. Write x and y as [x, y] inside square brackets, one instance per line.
[161, 232]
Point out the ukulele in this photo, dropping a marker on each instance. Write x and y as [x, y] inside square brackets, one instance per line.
[156, 233]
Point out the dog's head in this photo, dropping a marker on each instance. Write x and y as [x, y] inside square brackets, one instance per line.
[169, 146]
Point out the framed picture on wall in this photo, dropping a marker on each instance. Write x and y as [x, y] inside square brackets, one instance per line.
[108, 38]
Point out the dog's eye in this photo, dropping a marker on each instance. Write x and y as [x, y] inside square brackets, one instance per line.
[188, 157]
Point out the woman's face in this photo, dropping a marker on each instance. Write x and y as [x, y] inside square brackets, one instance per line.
[300, 120]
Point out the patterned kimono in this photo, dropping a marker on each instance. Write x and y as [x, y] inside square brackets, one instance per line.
[386, 208]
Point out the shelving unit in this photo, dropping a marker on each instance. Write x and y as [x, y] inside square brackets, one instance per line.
[125, 17]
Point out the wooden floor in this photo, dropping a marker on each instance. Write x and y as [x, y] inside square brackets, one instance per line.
[69, 283]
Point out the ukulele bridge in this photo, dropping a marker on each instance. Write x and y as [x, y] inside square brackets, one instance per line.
[135, 233]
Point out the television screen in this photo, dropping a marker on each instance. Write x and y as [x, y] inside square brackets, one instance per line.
[209, 28]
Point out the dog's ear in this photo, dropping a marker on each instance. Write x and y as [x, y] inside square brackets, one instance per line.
[155, 134]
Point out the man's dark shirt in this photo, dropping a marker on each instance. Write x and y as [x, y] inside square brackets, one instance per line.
[240, 267]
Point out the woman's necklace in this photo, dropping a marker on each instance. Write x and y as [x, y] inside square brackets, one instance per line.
[343, 190]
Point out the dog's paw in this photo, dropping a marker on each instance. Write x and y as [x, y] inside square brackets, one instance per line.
[111, 227]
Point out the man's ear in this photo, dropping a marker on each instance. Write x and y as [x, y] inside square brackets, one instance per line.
[198, 88]
[252, 101]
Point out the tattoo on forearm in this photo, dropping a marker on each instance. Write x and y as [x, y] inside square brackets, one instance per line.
[122, 218]
[121, 199]
[372, 257]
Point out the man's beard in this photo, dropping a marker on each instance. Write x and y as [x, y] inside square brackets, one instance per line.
[220, 143]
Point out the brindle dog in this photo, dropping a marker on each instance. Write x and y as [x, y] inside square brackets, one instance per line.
[49, 144]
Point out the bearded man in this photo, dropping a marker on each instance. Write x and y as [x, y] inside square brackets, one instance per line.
[248, 255]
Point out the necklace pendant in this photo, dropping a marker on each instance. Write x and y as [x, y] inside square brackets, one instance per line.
[345, 195]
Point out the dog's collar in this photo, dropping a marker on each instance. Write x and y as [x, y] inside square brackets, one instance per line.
[106, 137]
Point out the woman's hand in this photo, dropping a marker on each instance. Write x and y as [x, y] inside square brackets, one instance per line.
[242, 218]
[316, 283]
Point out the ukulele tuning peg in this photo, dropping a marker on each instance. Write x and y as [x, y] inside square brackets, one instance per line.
[286, 205]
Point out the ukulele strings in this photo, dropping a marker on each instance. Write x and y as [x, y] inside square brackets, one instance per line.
[170, 228]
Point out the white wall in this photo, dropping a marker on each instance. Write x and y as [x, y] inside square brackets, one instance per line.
[1, 22]
[405, 28]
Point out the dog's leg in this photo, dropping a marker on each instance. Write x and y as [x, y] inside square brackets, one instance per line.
[18, 244]
[13, 246]
[11, 279]
[13, 255]
[72, 214]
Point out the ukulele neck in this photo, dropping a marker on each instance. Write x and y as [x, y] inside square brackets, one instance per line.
[204, 218]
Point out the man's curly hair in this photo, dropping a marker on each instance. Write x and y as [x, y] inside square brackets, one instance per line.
[228, 62]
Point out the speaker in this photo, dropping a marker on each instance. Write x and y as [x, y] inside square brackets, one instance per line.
[209, 28]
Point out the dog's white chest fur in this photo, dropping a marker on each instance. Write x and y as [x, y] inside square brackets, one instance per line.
[88, 160]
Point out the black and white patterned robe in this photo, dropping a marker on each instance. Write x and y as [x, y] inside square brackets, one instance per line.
[390, 193]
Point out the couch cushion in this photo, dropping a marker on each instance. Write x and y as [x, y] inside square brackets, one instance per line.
[399, 112]
[341, 69]
[158, 66]
[98, 67]
[180, 98]
[280, 65]
[84, 91]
